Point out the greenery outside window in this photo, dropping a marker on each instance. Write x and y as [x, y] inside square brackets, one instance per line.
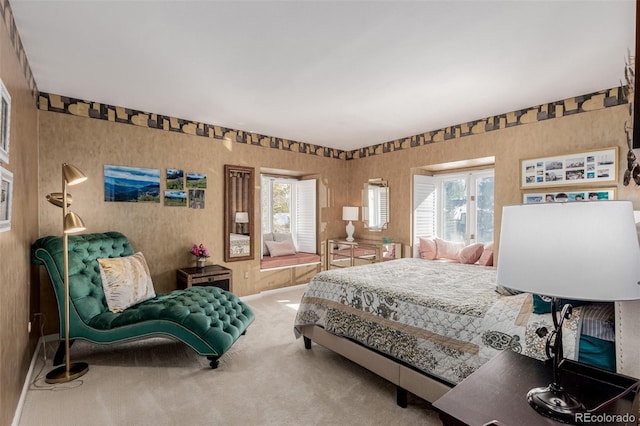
[454, 207]
[289, 206]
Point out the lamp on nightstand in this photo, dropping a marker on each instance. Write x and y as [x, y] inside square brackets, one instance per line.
[580, 250]
[350, 214]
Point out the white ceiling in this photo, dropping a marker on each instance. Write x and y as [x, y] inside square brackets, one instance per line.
[341, 74]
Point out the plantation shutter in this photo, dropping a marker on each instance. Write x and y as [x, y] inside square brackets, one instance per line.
[384, 207]
[306, 215]
[424, 207]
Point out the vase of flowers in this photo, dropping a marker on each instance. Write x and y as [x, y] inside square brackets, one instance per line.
[201, 253]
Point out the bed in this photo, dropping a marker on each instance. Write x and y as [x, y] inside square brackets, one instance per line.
[423, 325]
[240, 245]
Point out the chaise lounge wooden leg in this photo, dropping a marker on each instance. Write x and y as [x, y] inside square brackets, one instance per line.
[58, 358]
[401, 397]
[214, 361]
[307, 342]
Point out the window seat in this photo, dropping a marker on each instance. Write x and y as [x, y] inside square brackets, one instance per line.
[289, 261]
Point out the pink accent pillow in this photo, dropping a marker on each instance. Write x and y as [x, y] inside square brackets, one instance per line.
[428, 249]
[448, 249]
[486, 259]
[280, 248]
[471, 253]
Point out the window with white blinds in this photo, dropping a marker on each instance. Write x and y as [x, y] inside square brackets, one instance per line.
[304, 225]
[424, 207]
[289, 206]
[441, 204]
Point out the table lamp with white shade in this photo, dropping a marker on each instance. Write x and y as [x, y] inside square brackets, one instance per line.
[579, 250]
[350, 213]
[241, 219]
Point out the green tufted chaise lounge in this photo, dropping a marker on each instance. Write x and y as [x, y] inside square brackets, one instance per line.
[208, 319]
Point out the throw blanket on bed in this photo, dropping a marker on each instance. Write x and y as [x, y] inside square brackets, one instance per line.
[445, 319]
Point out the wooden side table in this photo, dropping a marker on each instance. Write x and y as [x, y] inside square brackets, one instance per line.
[214, 275]
[495, 394]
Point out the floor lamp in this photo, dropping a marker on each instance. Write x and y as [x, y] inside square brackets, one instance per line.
[583, 250]
[71, 223]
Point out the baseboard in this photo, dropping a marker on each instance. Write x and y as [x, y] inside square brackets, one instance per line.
[28, 379]
[270, 292]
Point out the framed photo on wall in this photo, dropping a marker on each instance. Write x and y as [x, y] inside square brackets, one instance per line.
[588, 168]
[570, 195]
[131, 184]
[175, 179]
[196, 180]
[6, 197]
[5, 122]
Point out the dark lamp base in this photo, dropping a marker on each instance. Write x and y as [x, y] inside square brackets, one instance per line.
[61, 375]
[552, 401]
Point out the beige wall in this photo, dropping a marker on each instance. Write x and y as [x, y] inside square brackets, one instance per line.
[15, 271]
[165, 234]
[585, 131]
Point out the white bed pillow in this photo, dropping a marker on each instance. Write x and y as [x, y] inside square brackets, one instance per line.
[126, 281]
[448, 249]
[266, 237]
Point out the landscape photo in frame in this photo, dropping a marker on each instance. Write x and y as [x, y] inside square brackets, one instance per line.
[175, 179]
[175, 198]
[131, 184]
[196, 198]
[196, 181]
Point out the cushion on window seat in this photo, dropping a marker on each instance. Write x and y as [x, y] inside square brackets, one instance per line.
[299, 258]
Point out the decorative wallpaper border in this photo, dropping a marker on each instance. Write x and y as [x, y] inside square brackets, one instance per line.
[579, 104]
[96, 110]
[9, 21]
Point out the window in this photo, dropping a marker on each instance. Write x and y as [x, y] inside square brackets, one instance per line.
[289, 206]
[455, 207]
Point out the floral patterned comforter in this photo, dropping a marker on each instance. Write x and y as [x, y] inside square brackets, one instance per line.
[445, 319]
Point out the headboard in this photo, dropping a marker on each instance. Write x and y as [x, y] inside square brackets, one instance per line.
[628, 337]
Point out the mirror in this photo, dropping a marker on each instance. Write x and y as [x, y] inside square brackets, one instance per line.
[375, 205]
[238, 213]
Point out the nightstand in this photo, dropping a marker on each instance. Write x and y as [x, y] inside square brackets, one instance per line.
[497, 392]
[214, 275]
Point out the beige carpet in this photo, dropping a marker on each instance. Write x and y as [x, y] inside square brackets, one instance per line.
[267, 378]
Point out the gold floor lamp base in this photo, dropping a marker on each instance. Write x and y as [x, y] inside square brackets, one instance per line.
[61, 375]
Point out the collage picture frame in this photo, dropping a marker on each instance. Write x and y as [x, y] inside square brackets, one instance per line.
[571, 195]
[574, 169]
